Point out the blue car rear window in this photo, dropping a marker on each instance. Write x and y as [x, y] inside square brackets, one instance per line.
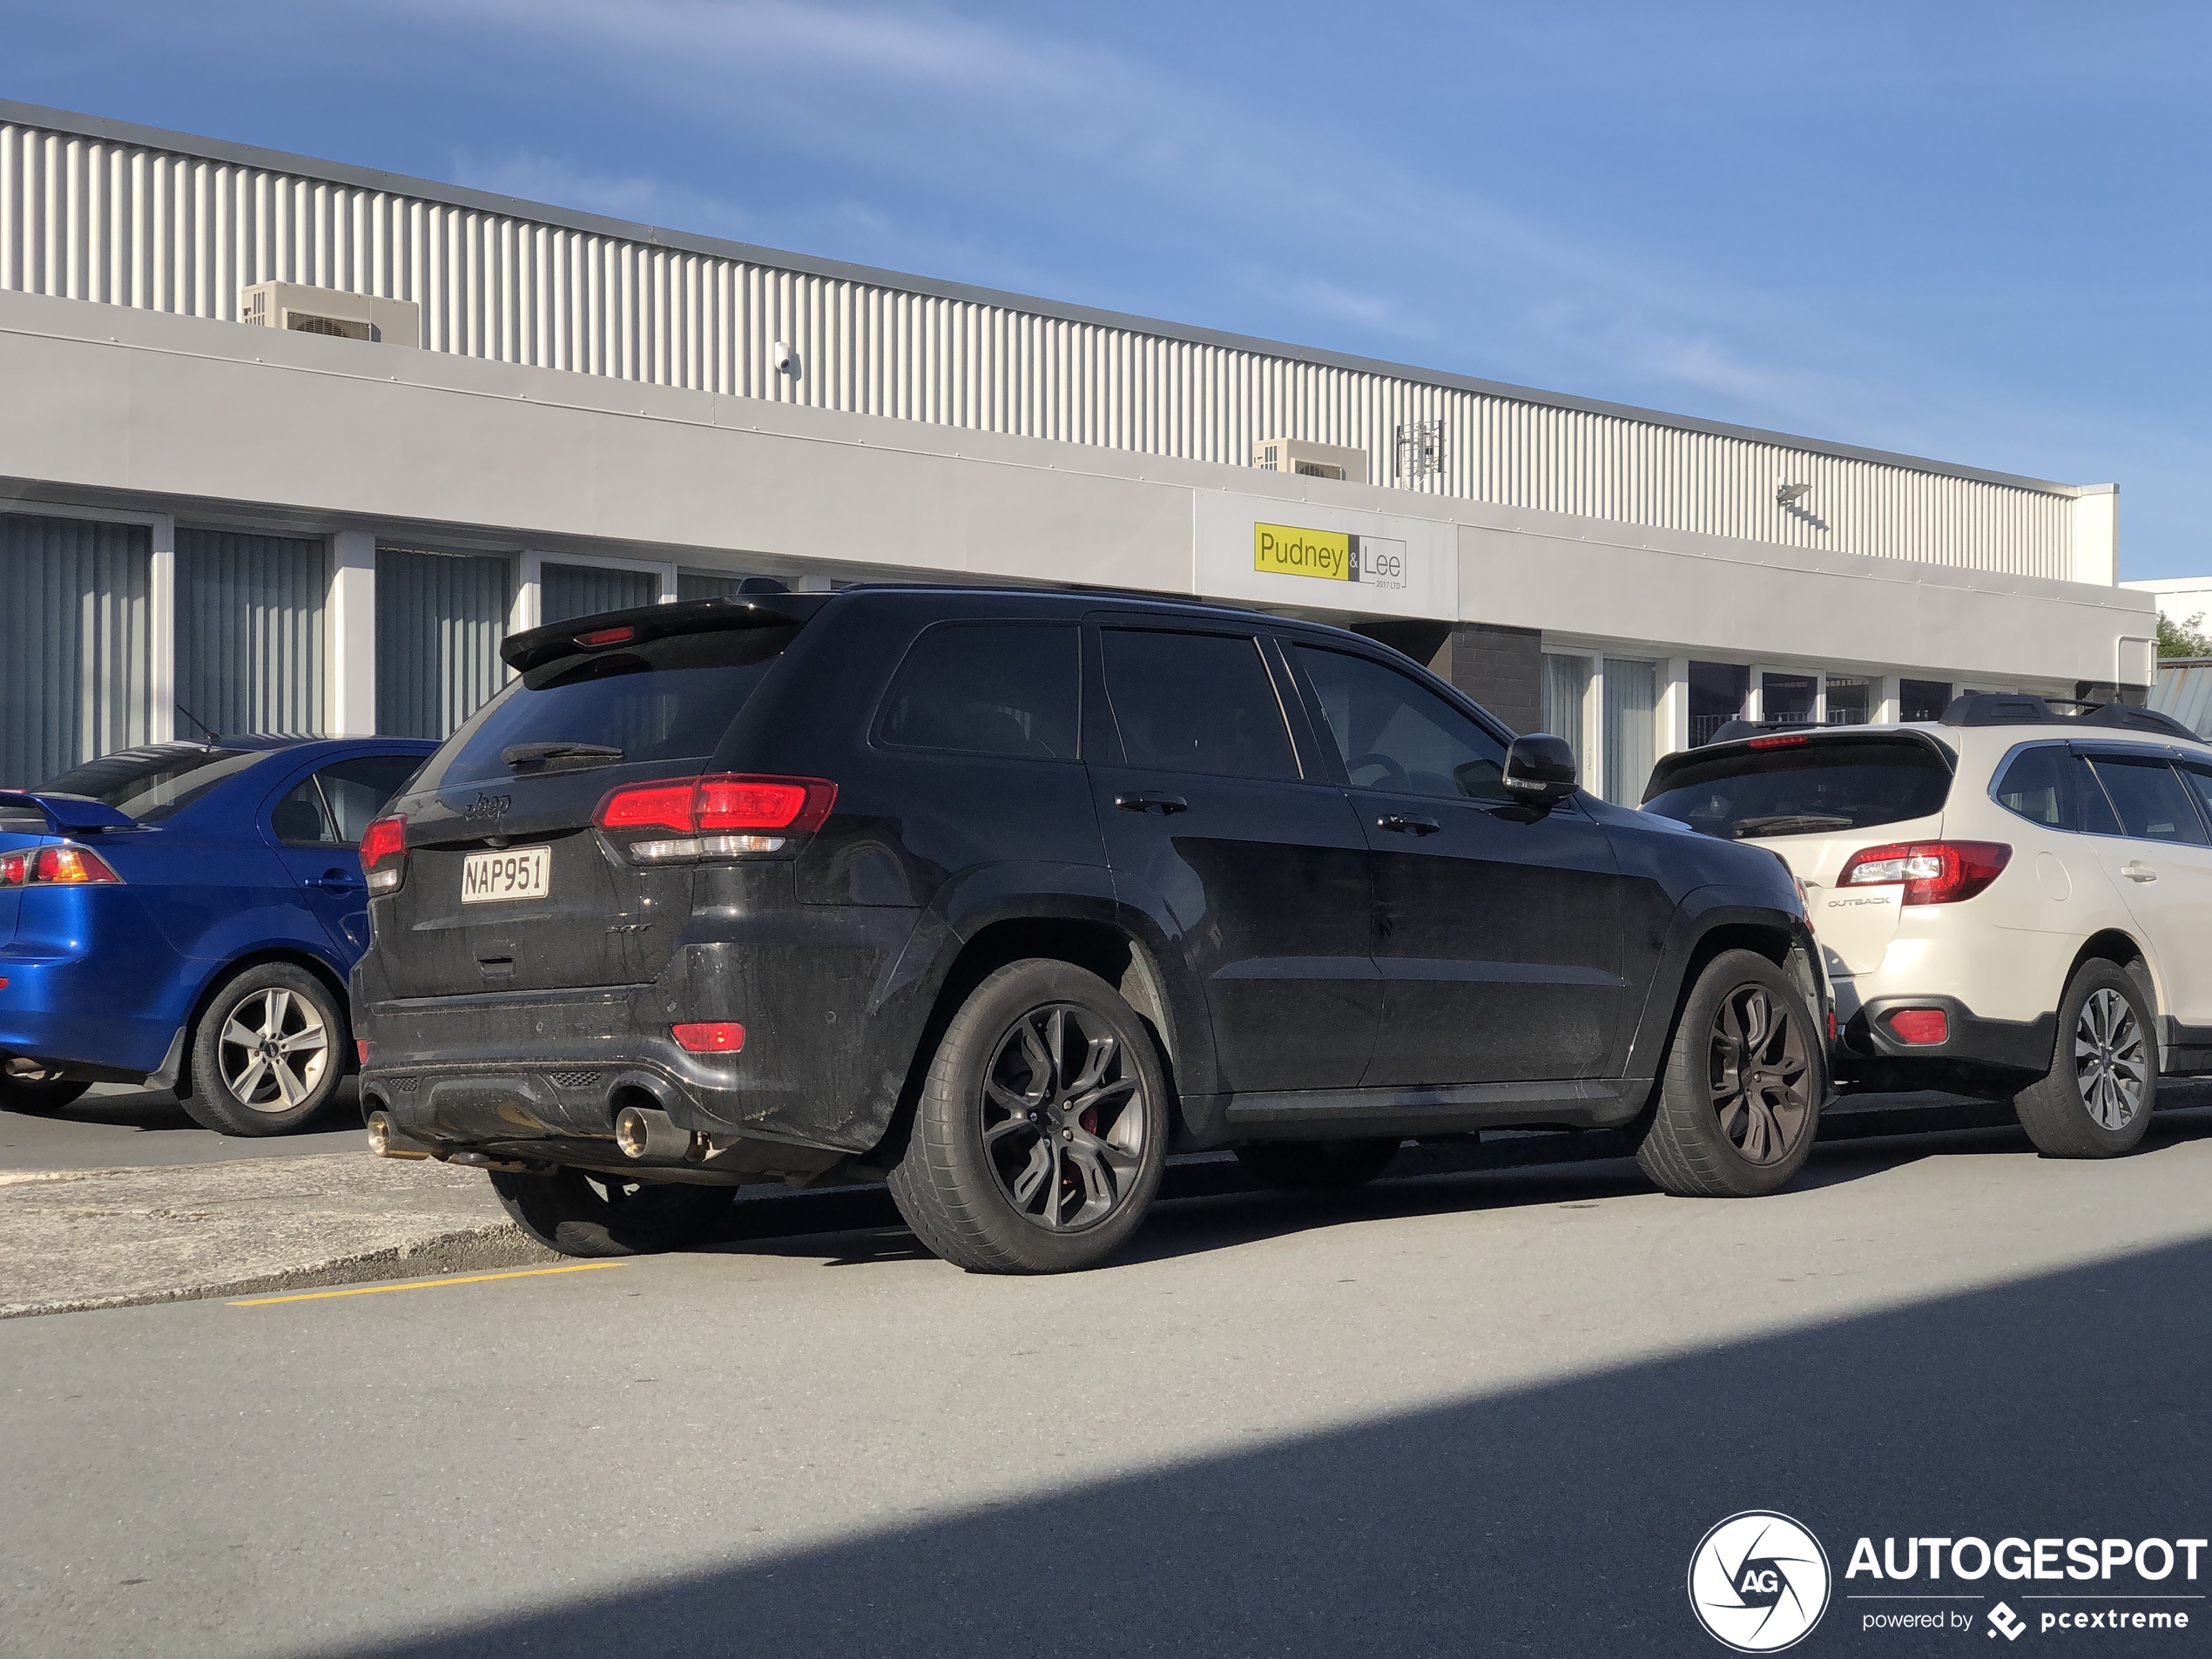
[151, 783]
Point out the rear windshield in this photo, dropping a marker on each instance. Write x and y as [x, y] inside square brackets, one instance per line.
[1803, 789]
[667, 699]
[151, 783]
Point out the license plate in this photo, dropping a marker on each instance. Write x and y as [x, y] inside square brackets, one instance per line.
[488, 878]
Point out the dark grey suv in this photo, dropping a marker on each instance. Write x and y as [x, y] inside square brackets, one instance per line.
[1001, 896]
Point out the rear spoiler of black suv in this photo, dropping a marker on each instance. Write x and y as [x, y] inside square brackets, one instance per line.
[536, 647]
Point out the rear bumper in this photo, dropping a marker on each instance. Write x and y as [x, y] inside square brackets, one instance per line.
[1976, 1051]
[69, 1008]
[820, 1068]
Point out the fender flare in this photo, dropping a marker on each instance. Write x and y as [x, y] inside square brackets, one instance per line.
[971, 903]
[1703, 919]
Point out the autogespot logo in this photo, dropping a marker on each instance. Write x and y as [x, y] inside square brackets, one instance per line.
[1758, 1581]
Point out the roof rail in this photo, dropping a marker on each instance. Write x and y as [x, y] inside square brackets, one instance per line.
[2130, 718]
[2022, 708]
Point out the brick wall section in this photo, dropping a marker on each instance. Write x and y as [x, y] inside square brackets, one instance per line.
[1500, 668]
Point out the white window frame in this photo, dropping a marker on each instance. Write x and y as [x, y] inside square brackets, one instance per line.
[529, 594]
[1760, 671]
[1666, 671]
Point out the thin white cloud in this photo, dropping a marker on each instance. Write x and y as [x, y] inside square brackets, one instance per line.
[637, 197]
[1004, 154]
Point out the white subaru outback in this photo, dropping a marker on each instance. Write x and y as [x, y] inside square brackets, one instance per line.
[2010, 902]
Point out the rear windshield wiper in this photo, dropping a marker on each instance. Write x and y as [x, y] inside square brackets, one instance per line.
[558, 757]
[1788, 824]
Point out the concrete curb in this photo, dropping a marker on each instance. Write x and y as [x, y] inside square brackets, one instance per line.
[473, 1250]
[81, 1239]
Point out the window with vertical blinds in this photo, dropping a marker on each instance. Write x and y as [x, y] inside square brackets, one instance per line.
[1567, 704]
[439, 619]
[251, 641]
[75, 643]
[1631, 724]
[566, 590]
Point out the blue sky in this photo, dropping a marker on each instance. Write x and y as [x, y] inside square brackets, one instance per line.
[1971, 231]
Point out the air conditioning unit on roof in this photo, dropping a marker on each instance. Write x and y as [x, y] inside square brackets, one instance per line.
[1310, 460]
[331, 311]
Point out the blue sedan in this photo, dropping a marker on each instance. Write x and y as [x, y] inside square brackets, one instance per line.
[185, 915]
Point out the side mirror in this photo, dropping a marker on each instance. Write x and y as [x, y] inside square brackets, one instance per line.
[1540, 770]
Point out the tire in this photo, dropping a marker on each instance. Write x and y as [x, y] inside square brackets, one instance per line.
[1714, 1133]
[36, 1089]
[2096, 1100]
[1316, 1166]
[269, 1052]
[1038, 1046]
[581, 1212]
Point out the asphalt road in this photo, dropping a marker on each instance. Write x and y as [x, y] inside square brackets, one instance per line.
[1462, 1414]
[113, 1126]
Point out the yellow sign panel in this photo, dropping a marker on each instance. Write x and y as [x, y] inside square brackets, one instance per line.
[1283, 549]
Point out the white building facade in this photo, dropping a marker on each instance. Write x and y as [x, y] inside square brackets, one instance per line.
[292, 446]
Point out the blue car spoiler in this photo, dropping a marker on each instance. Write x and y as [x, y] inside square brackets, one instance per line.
[69, 814]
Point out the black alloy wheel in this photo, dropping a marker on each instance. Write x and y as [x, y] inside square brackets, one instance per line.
[1736, 1110]
[1759, 1077]
[1042, 1130]
[1062, 1118]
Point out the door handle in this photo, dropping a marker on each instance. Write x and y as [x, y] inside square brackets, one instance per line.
[1159, 805]
[2138, 871]
[333, 881]
[1406, 824]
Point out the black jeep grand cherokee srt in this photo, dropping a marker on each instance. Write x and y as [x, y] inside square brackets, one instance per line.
[1003, 895]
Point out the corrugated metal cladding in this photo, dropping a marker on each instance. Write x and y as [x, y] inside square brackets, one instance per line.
[74, 642]
[439, 619]
[91, 220]
[251, 646]
[566, 590]
[2184, 690]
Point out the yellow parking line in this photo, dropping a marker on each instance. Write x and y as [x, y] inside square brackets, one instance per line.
[425, 1283]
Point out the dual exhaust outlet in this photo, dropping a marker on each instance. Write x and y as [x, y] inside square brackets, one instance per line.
[646, 1135]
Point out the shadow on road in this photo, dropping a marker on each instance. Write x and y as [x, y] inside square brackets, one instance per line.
[156, 1109]
[1555, 1519]
[1426, 1180]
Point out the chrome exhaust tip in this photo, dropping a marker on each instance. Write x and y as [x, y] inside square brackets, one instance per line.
[388, 1141]
[652, 1137]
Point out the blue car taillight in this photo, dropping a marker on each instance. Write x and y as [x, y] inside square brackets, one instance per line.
[56, 867]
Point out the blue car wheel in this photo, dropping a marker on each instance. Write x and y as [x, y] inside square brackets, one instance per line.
[269, 1053]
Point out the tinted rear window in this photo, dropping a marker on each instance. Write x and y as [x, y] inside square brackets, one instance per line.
[988, 688]
[1804, 789]
[152, 783]
[667, 699]
[2039, 786]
